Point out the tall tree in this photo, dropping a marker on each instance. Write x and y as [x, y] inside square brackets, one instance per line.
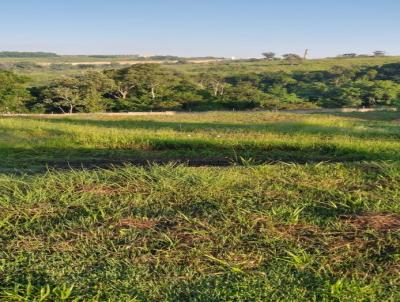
[269, 55]
[64, 94]
[93, 87]
[12, 92]
[125, 81]
[214, 82]
[243, 96]
[137, 79]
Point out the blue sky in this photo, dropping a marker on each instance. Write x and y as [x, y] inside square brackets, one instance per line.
[200, 27]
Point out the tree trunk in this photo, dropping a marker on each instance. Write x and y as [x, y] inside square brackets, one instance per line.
[123, 93]
[201, 84]
[153, 95]
[216, 89]
[71, 108]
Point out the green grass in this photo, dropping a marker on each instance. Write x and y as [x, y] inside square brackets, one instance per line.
[263, 137]
[173, 233]
[322, 223]
[243, 67]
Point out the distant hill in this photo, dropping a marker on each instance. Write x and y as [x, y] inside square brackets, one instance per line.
[20, 54]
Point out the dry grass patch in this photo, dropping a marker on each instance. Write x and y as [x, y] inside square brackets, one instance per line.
[137, 223]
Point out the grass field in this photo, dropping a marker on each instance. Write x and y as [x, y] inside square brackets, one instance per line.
[31, 142]
[259, 66]
[280, 207]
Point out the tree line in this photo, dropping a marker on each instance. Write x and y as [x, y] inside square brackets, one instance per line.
[22, 54]
[269, 55]
[144, 87]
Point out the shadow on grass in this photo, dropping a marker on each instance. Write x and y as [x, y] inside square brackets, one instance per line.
[179, 151]
[369, 116]
[37, 155]
[279, 127]
[280, 282]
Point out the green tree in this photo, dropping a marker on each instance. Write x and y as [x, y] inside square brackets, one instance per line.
[63, 94]
[93, 86]
[213, 82]
[292, 58]
[340, 75]
[76, 94]
[314, 91]
[243, 96]
[184, 94]
[282, 94]
[269, 55]
[140, 84]
[126, 80]
[13, 94]
[346, 96]
[382, 93]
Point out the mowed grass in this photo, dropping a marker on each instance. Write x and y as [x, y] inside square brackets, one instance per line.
[34, 142]
[319, 222]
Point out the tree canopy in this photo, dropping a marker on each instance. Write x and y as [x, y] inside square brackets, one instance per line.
[157, 87]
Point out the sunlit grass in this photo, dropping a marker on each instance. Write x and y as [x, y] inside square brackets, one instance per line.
[173, 233]
[262, 136]
[301, 229]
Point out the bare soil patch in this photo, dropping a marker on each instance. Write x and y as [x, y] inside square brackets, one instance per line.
[382, 222]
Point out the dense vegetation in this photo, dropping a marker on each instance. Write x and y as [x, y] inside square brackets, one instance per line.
[223, 85]
[297, 230]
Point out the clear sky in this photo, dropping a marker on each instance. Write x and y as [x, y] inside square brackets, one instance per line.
[241, 28]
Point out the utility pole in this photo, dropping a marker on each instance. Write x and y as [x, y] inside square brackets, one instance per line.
[305, 54]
